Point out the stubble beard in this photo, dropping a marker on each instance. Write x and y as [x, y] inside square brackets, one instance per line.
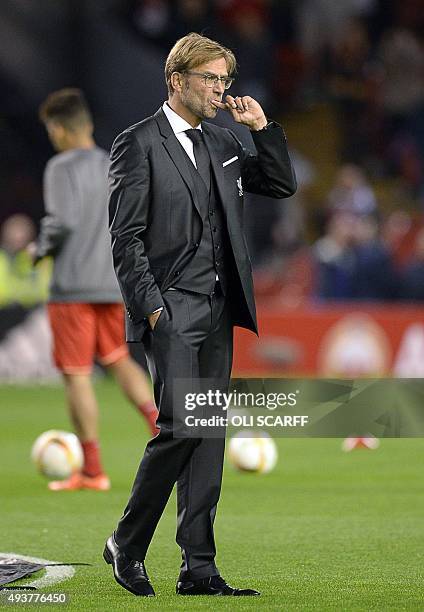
[201, 110]
[208, 111]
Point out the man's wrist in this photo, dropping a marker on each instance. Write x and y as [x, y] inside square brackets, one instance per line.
[260, 124]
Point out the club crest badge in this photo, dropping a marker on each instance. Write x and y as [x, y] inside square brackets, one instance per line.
[240, 187]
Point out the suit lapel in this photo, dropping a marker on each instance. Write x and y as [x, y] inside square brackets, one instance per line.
[176, 153]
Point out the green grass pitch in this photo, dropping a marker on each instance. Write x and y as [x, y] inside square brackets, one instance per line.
[325, 530]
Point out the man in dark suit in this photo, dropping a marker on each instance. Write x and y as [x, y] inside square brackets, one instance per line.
[176, 211]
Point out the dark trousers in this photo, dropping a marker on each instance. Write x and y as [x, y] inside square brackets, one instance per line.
[193, 339]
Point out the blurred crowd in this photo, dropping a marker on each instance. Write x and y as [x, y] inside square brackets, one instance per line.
[363, 253]
[365, 60]
[361, 59]
[365, 57]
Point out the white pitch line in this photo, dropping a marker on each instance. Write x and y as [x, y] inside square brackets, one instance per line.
[53, 574]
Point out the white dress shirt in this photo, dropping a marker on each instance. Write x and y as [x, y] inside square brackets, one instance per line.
[179, 126]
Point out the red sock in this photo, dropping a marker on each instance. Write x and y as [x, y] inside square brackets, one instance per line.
[150, 413]
[92, 464]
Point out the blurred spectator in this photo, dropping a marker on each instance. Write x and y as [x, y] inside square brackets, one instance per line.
[151, 19]
[402, 98]
[20, 282]
[335, 258]
[277, 228]
[412, 284]
[288, 232]
[192, 16]
[348, 81]
[292, 281]
[396, 235]
[16, 233]
[289, 268]
[351, 192]
[319, 23]
[374, 274]
[410, 14]
[164, 21]
[402, 58]
[289, 62]
[249, 36]
[353, 262]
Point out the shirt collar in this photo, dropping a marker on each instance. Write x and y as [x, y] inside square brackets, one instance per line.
[178, 124]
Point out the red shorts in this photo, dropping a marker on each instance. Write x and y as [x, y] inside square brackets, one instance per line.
[82, 332]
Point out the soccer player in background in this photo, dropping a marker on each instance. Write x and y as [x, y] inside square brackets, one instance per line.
[85, 309]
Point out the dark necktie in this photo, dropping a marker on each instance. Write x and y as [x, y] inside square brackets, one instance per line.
[201, 155]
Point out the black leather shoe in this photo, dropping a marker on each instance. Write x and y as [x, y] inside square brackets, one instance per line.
[213, 585]
[128, 573]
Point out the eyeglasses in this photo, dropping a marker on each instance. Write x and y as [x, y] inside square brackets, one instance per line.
[211, 80]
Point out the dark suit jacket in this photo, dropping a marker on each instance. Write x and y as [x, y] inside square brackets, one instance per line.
[154, 218]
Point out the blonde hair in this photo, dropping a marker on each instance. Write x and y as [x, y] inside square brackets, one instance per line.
[193, 50]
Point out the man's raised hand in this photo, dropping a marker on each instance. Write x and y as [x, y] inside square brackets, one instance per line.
[245, 110]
